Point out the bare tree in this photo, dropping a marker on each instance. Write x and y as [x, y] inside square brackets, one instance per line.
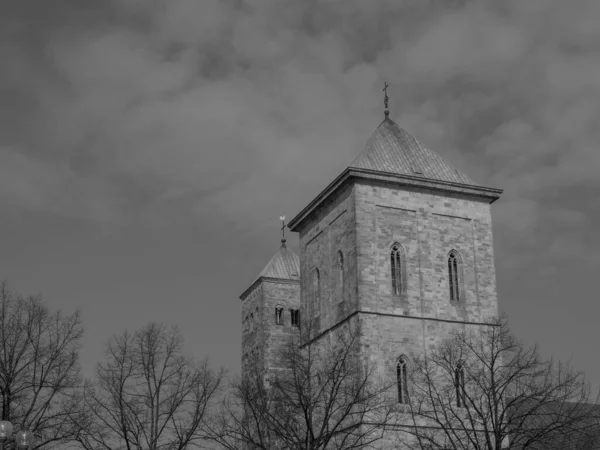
[482, 389]
[39, 369]
[323, 397]
[148, 394]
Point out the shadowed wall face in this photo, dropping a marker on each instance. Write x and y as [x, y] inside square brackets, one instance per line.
[270, 306]
[329, 232]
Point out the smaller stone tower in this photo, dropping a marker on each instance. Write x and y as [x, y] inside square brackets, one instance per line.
[270, 311]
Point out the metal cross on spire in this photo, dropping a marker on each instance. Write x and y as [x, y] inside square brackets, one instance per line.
[386, 99]
[283, 225]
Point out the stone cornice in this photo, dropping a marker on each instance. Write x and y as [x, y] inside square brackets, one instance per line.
[403, 316]
[266, 280]
[479, 192]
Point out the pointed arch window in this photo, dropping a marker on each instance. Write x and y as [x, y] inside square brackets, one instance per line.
[402, 379]
[316, 291]
[459, 384]
[278, 315]
[398, 269]
[454, 267]
[341, 274]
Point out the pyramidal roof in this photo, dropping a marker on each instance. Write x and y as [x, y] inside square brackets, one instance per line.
[393, 155]
[284, 265]
[392, 150]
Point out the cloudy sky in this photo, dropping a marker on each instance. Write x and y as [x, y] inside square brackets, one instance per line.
[147, 148]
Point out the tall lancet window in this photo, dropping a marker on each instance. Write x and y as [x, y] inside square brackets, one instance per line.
[316, 291]
[454, 266]
[341, 275]
[459, 384]
[398, 269]
[402, 379]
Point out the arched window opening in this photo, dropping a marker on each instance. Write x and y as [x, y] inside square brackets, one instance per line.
[397, 266]
[295, 317]
[278, 315]
[453, 275]
[341, 275]
[316, 291]
[402, 379]
[459, 384]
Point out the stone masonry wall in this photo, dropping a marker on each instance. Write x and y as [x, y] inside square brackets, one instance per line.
[250, 327]
[262, 338]
[329, 231]
[277, 337]
[363, 220]
[428, 226]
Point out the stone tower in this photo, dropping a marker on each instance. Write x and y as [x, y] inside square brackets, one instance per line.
[270, 310]
[400, 242]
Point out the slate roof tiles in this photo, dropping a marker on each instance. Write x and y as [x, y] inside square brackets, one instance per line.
[392, 150]
[284, 265]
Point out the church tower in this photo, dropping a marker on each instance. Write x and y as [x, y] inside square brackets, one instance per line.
[401, 244]
[270, 311]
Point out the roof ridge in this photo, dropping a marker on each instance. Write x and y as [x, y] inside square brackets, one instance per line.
[391, 149]
[284, 264]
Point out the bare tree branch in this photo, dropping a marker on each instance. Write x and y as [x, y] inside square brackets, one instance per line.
[39, 368]
[323, 397]
[510, 397]
[147, 394]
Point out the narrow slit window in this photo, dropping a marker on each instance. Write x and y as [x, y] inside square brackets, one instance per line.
[278, 315]
[453, 276]
[459, 384]
[397, 266]
[295, 317]
[316, 291]
[341, 275]
[402, 379]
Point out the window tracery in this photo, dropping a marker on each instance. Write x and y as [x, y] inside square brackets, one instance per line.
[398, 269]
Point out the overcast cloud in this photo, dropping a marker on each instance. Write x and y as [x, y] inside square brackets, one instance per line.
[147, 148]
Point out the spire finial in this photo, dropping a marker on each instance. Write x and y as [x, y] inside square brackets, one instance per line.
[386, 99]
[283, 225]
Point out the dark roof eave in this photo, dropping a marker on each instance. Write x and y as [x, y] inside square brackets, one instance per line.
[332, 187]
[490, 194]
[266, 280]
